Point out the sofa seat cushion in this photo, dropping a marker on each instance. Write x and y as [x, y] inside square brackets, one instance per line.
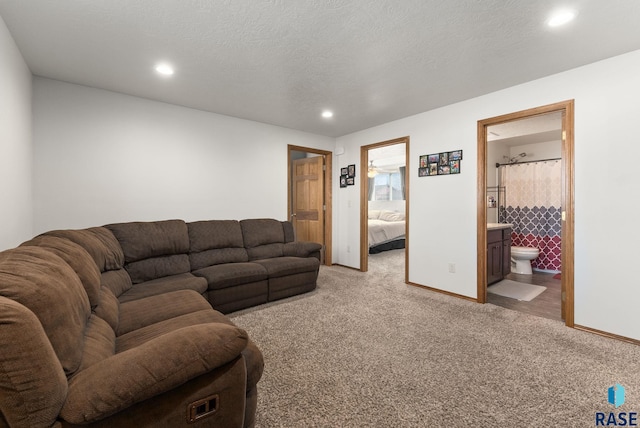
[142, 335]
[284, 266]
[130, 377]
[140, 313]
[231, 274]
[184, 281]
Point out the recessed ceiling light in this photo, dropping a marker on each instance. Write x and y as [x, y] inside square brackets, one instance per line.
[561, 18]
[164, 69]
[327, 114]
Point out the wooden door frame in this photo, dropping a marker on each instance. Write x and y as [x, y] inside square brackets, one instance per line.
[364, 202]
[567, 199]
[328, 216]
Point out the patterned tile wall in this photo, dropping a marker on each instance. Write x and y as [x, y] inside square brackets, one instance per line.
[539, 228]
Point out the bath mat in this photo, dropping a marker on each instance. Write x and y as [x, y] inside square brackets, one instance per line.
[516, 290]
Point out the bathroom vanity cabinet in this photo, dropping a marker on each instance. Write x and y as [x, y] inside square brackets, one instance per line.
[498, 252]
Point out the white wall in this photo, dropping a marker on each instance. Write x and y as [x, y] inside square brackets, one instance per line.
[104, 157]
[443, 208]
[15, 144]
[537, 151]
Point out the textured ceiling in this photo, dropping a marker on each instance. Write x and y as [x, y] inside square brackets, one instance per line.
[283, 61]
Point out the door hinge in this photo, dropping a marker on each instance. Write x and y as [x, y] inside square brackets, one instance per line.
[564, 135]
[324, 208]
[324, 167]
[564, 296]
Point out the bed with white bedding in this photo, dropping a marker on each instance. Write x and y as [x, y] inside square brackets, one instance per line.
[386, 230]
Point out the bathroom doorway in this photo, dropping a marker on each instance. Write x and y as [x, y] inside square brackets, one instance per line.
[524, 173]
[523, 147]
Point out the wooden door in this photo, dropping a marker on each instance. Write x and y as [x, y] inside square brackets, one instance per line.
[308, 199]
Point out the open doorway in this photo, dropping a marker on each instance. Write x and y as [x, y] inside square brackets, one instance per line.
[384, 204]
[524, 184]
[525, 205]
[309, 196]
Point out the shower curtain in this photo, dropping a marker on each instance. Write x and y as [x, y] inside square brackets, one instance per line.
[532, 205]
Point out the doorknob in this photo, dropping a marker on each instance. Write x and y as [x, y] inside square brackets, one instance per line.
[293, 215]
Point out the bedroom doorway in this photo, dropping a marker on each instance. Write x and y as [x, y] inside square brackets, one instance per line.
[384, 194]
[309, 196]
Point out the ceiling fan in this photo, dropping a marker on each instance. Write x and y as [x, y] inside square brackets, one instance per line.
[372, 171]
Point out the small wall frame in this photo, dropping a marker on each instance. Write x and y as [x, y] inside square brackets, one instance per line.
[348, 175]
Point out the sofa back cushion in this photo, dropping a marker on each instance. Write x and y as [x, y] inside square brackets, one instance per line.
[215, 242]
[289, 233]
[263, 238]
[44, 283]
[104, 248]
[99, 242]
[33, 386]
[76, 257]
[153, 249]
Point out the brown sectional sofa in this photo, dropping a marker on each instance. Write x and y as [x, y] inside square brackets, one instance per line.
[235, 264]
[116, 325]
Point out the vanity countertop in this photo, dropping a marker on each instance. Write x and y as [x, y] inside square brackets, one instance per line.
[496, 226]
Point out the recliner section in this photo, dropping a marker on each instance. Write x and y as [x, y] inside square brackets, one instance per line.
[235, 264]
[75, 354]
[119, 320]
[219, 256]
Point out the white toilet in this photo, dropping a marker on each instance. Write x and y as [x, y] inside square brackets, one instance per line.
[521, 259]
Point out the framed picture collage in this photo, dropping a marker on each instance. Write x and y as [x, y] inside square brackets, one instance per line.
[445, 163]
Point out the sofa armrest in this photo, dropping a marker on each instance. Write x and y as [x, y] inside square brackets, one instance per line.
[302, 249]
[150, 369]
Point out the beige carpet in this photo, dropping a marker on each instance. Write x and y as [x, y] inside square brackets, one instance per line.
[366, 350]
